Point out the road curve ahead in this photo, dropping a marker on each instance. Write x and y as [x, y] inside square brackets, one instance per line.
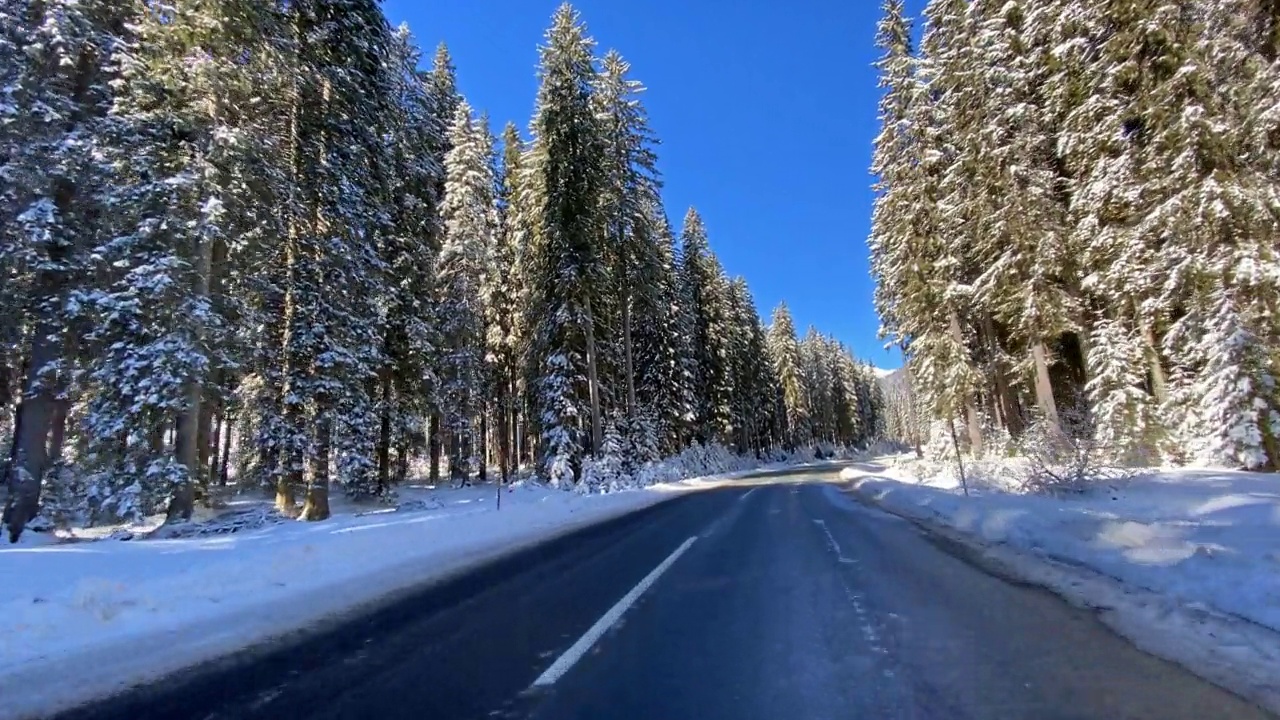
[781, 601]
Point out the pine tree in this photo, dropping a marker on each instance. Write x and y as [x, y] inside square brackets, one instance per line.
[470, 219]
[184, 132]
[705, 288]
[663, 353]
[409, 248]
[502, 298]
[897, 169]
[917, 238]
[751, 373]
[1235, 416]
[1008, 152]
[630, 188]
[331, 347]
[442, 89]
[1123, 411]
[58, 90]
[566, 269]
[788, 363]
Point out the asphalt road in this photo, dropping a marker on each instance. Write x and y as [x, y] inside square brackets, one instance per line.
[774, 601]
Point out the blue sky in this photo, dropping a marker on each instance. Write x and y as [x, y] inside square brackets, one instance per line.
[766, 110]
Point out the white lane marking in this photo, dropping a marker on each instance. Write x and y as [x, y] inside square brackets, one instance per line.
[606, 621]
[747, 494]
[868, 627]
[831, 540]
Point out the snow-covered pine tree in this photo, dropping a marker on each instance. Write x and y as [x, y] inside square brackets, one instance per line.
[661, 349]
[704, 288]
[911, 154]
[503, 299]
[897, 165]
[1007, 185]
[630, 187]
[408, 249]
[177, 130]
[788, 363]
[442, 89]
[720, 322]
[819, 384]
[13, 274]
[566, 272]
[608, 471]
[1121, 408]
[1209, 172]
[754, 385]
[55, 99]
[1235, 416]
[331, 345]
[930, 270]
[844, 393]
[1092, 96]
[470, 219]
[739, 322]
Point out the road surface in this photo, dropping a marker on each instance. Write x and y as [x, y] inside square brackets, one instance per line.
[778, 601]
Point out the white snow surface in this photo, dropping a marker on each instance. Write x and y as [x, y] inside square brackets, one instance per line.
[1183, 562]
[86, 619]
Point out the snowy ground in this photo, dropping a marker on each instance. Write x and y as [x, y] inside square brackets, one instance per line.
[85, 618]
[1183, 562]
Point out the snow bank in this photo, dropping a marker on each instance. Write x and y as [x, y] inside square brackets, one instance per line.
[1185, 561]
[84, 619]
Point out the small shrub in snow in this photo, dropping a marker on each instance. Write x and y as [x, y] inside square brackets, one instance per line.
[606, 473]
[63, 496]
[419, 505]
[940, 448]
[1065, 459]
[225, 524]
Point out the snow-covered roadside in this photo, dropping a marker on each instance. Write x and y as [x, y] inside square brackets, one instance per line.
[86, 619]
[1183, 563]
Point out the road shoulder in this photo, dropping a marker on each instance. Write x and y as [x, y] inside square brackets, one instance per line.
[1229, 651]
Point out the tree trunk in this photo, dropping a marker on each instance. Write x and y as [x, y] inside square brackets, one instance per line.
[523, 455]
[215, 453]
[1159, 380]
[402, 462]
[1006, 403]
[384, 434]
[226, 448]
[483, 454]
[287, 483]
[991, 399]
[291, 474]
[316, 506]
[206, 440]
[504, 436]
[972, 421]
[187, 441]
[1044, 387]
[455, 457]
[593, 384]
[38, 405]
[58, 431]
[6, 383]
[1271, 446]
[626, 343]
[434, 441]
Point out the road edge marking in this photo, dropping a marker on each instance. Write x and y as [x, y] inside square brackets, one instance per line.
[606, 621]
